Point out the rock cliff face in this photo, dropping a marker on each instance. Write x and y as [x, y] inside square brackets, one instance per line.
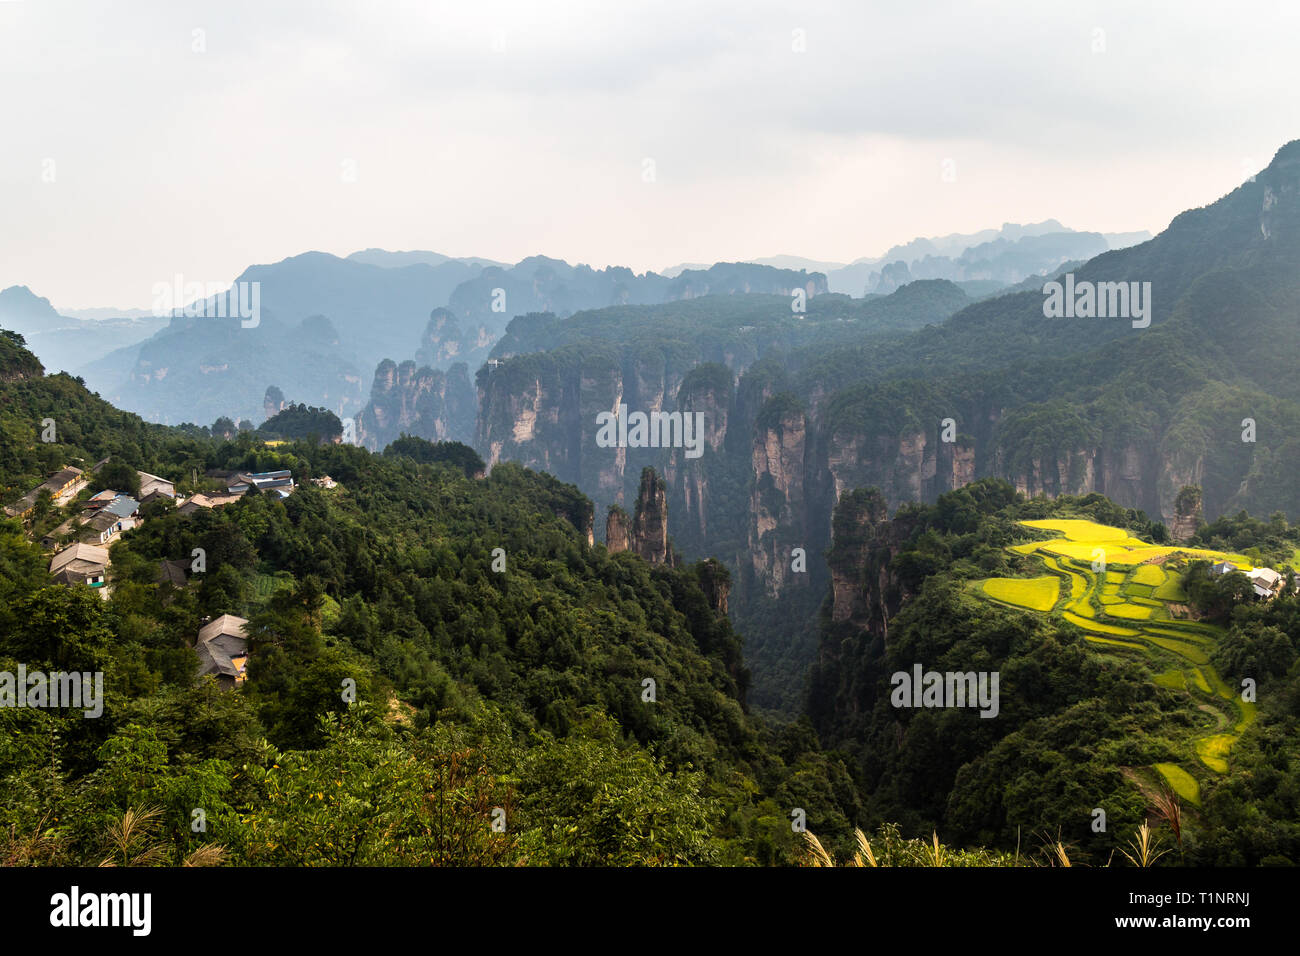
[1133, 474]
[773, 466]
[273, 402]
[650, 524]
[541, 410]
[777, 504]
[442, 341]
[424, 402]
[1187, 514]
[858, 569]
[618, 530]
[715, 581]
[706, 391]
[646, 533]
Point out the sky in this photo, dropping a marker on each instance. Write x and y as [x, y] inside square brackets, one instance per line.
[142, 140]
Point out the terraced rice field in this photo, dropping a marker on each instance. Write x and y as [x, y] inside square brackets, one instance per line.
[1037, 594]
[1182, 782]
[1119, 590]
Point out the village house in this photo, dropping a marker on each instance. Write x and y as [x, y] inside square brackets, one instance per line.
[111, 519]
[100, 499]
[58, 534]
[81, 564]
[174, 573]
[153, 496]
[325, 481]
[202, 499]
[1265, 582]
[101, 529]
[62, 485]
[123, 506]
[152, 484]
[222, 649]
[103, 517]
[65, 484]
[280, 482]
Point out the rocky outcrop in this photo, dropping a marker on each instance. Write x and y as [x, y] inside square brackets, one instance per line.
[441, 341]
[777, 505]
[650, 524]
[866, 589]
[858, 520]
[1187, 514]
[646, 532]
[715, 582]
[1181, 467]
[916, 465]
[618, 530]
[424, 402]
[273, 402]
[706, 391]
[541, 412]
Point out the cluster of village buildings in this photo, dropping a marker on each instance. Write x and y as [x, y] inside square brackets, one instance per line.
[1267, 583]
[80, 544]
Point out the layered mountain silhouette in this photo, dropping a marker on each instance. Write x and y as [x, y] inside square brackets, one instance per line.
[378, 306]
[67, 342]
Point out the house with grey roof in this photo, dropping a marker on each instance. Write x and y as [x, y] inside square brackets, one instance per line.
[222, 649]
[80, 564]
[174, 573]
[123, 506]
[152, 484]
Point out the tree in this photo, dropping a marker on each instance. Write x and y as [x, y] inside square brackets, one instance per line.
[60, 628]
[452, 453]
[117, 476]
[586, 801]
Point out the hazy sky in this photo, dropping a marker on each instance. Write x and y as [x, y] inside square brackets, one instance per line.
[514, 128]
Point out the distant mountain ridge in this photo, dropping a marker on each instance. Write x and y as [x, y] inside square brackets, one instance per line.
[396, 260]
[1007, 255]
[64, 341]
[379, 306]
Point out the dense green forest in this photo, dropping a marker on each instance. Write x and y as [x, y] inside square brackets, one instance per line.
[302, 421]
[1077, 720]
[435, 652]
[596, 700]
[1205, 395]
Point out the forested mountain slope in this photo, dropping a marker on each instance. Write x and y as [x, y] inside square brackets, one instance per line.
[1149, 688]
[468, 639]
[434, 652]
[889, 393]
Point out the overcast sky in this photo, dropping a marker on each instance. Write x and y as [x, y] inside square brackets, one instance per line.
[509, 129]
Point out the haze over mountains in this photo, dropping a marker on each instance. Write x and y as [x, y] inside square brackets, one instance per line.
[66, 341]
[997, 257]
[439, 310]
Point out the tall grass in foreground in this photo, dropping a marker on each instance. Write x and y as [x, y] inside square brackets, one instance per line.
[888, 847]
